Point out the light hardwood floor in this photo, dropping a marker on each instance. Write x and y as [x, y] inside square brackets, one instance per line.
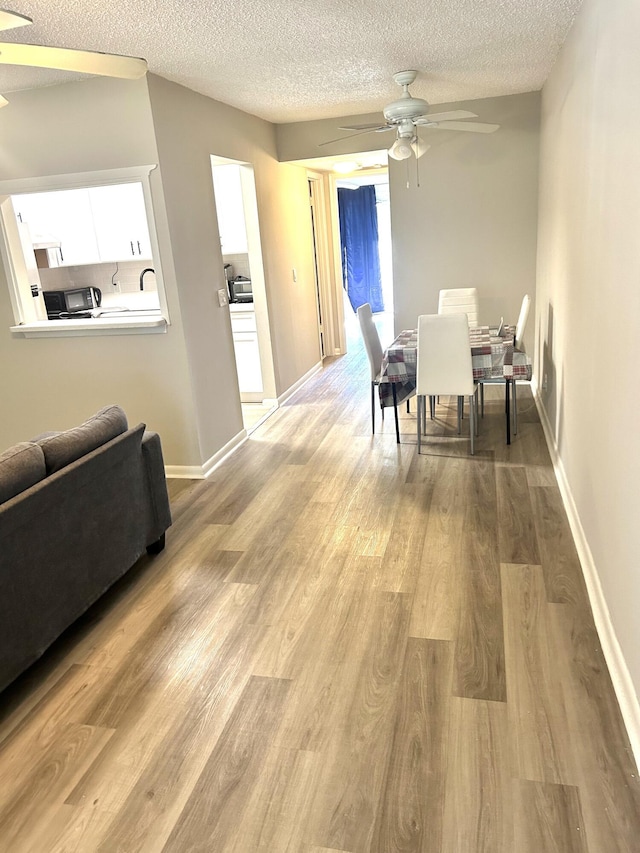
[344, 647]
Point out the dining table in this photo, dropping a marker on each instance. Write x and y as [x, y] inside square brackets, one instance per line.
[494, 357]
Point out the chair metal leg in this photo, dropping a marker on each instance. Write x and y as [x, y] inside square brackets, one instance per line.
[472, 424]
[460, 399]
[419, 417]
[482, 398]
[395, 410]
[373, 408]
[476, 419]
[515, 408]
[408, 408]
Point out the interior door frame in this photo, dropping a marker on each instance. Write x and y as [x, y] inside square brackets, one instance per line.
[326, 234]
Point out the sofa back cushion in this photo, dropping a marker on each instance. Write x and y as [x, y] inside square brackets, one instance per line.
[21, 467]
[65, 447]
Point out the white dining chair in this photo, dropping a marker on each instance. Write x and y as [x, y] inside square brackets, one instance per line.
[519, 345]
[373, 348]
[460, 300]
[444, 365]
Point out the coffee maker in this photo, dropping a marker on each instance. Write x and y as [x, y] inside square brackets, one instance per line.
[228, 274]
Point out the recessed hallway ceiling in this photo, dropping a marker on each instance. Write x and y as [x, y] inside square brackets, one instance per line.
[297, 60]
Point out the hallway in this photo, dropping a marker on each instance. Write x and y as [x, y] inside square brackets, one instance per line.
[344, 647]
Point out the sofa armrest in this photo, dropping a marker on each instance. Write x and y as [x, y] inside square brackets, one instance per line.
[153, 463]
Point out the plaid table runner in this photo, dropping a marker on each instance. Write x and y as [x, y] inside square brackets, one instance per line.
[493, 356]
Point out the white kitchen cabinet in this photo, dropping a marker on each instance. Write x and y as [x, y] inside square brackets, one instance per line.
[245, 342]
[230, 209]
[92, 225]
[64, 217]
[120, 222]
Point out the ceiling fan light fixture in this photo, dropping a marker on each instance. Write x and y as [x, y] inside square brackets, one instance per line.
[419, 147]
[401, 149]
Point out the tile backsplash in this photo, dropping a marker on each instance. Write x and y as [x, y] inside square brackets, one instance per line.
[125, 273]
[240, 264]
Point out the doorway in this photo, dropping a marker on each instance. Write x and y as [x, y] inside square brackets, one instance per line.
[238, 225]
[376, 243]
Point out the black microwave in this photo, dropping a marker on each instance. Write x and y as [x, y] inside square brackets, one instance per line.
[240, 289]
[64, 303]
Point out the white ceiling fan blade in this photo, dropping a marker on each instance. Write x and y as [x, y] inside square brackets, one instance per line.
[67, 59]
[10, 20]
[377, 127]
[448, 116]
[3, 102]
[471, 126]
[350, 136]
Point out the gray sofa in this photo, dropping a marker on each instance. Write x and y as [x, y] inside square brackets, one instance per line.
[77, 510]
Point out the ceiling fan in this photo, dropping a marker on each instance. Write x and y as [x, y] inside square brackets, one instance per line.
[63, 58]
[407, 114]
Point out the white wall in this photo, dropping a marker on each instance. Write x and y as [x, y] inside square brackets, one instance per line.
[588, 294]
[471, 223]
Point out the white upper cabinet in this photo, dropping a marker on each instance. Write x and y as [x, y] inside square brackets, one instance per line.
[92, 225]
[120, 222]
[61, 217]
[230, 209]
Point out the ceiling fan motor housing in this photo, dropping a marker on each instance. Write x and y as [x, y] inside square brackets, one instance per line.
[405, 108]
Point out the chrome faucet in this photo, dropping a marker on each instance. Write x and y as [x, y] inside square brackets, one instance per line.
[142, 274]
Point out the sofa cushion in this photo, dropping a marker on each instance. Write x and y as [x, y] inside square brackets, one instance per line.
[21, 467]
[65, 447]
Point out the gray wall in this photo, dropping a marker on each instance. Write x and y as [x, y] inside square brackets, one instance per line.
[588, 311]
[471, 222]
[189, 129]
[53, 383]
[182, 384]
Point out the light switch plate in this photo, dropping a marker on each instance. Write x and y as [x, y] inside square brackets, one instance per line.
[223, 299]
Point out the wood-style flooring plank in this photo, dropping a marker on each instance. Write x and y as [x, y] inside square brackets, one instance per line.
[548, 818]
[409, 818]
[437, 601]
[165, 781]
[28, 809]
[276, 814]
[538, 726]
[478, 808]
[221, 795]
[326, 663]
[609, 783]
[400, 565]
[517, 541]
[479, 661]
[563, 577]
[345, 807]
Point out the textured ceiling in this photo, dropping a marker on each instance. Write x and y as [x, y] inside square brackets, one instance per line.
[296, 60]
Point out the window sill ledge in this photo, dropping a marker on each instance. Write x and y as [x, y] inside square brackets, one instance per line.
[141, 324]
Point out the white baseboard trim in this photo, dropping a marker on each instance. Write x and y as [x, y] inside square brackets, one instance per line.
[201, 472]
[620, 677]
[298, 385]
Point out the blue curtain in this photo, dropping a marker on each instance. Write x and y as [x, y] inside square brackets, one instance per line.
[359, 244]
